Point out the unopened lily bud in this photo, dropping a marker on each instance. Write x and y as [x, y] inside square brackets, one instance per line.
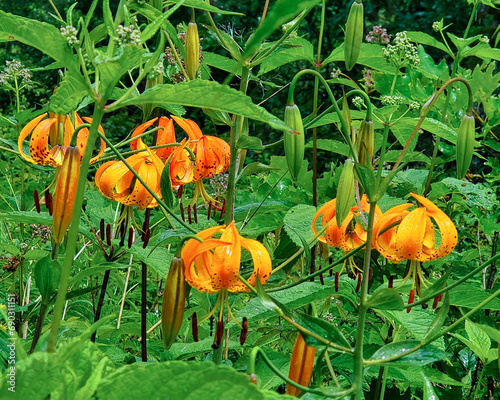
[295, 142]
[427, 106]
[353, 34]
[173, 303]
[301, 365]
[65, 193]
[465, 144]
[345, 192]
[192, 50]
[365, 142]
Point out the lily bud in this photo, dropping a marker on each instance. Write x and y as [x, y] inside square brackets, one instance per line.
[345, 192]
[295, 142]
[173, 303]
[65, 193]
[465, 144]
[301, 365]
[192, 50]
[353, 34]
[365, 142]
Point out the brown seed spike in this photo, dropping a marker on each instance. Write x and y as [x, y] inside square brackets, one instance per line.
[336, 281]
[37, 200]
[358, 285]
[194, 327]
[108, 234]
[244, 331]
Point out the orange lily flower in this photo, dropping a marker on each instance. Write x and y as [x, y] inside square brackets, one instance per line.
[165, 135]
[212, 154]
[214, 265]
[52, 136]
[414, 237]
[116, 182]
[351, 233]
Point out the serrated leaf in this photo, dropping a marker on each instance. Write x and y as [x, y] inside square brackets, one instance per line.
[158, 260]
[157, 23]
[424, 38]
[69, 93]
[299, 220]
[493, 333]
[301, 50]
[177, 380]
[386, 299]
[208, 94]
[479, 338]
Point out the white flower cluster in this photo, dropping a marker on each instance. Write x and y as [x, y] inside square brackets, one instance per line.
[158, 70]
[414, 105]
[435, 26]
[336, 73]
[392, 100]
[485, 39]
[128, 35]
[14, 70]
[358, 102]
[402, 53]
[69, 32]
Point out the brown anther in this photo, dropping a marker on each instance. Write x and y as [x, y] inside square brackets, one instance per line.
[370, 275]
[244, 331]
[37, 200]
[209, 210]
[130, 237]
[223, 208]
[390, 284]
[108, 234]
[211, 325]
[181, 208]
[321, 280]
[330, 272]
[435, 302]
[50, 203]
[101, 228]
[336, 281]
[180, 191]
[195, 214]
[219, 332]
[411, 299]
[358, 285]
[145, 238]
[194, 326]
[190, 221]
[122, 235]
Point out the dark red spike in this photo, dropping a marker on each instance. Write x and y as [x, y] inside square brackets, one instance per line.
[181, 208]
[130, 237]
[370, 275]
[435, 302]
[215, 206]
[46, 197]
[108, 234]
[411, 299]
[209, 210]
[244, 331]
[219, 332]
[37, 200]
[211, 325]
[195, 214]
[322, 281]
[336, 281]
[101, 228]
[180, 191]
[190, 221]
[194, 326]
[50, 204]
[358, 285]
[390, 284]
[147, 236]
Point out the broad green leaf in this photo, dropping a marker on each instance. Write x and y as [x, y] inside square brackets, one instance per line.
[371, 55]
[208, 94]
[423, 356]
[280, 14]
[493, 333]
[331, 145]
[177, 380]
[333, 118]
[484, 51]
[40, 35]
[47, 273]
[69, 93]
[474, 194]
[224, 63]
[429, 68]
[96, 269]
[462, 43]
[266, 300]
[404, 127]
[203, 5]
[108, 19]
[367, 180]
[185, 351]
[153, 27]
[166, 187]
[298, 220]
[301, 50]
[479, 338]
[385, 299]
[322, 328]
[440, 317]
[424, 38]
[250, 143]
[158, 259]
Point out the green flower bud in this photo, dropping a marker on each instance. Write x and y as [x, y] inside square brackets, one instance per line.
[353, 34]
[295, 141]
[465, 144]
[365, 142]
[173, 303]
[345, 192]
[192, 50]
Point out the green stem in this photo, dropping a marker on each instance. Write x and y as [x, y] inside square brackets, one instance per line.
[382, 152]
[73, 230]
[251, 370]
[233, 166]
[358, 349]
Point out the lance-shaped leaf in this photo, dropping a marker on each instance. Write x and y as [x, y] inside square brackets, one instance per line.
[207, 94]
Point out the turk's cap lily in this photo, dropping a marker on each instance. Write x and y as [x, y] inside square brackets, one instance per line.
[51, 137]
[116, 182]
[214, 264]
[164, 135]
[212, 153]
[414, 237]
[351, 233]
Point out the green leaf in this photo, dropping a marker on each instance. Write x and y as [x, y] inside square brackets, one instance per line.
[331, 145]
[282, 12]
[250, 143]
[479, 339]
[208, 94]
[47, 273]
[69, 93]
[429, 393]
[385, 299]
[298, 222]
[166, 187]
[158, 259]
[177, 380]
[96, 269]
[203, 5]
[224, 63]
[255, 168]
[483, 51]
[493, 333]
[108, 19]
[474, 195]
[40, 35]
[462, 43]
[300, 49]
[423, 356]
[367, 179]
[322, 328]
[424, 38]
[158, 22]
[440, 317]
